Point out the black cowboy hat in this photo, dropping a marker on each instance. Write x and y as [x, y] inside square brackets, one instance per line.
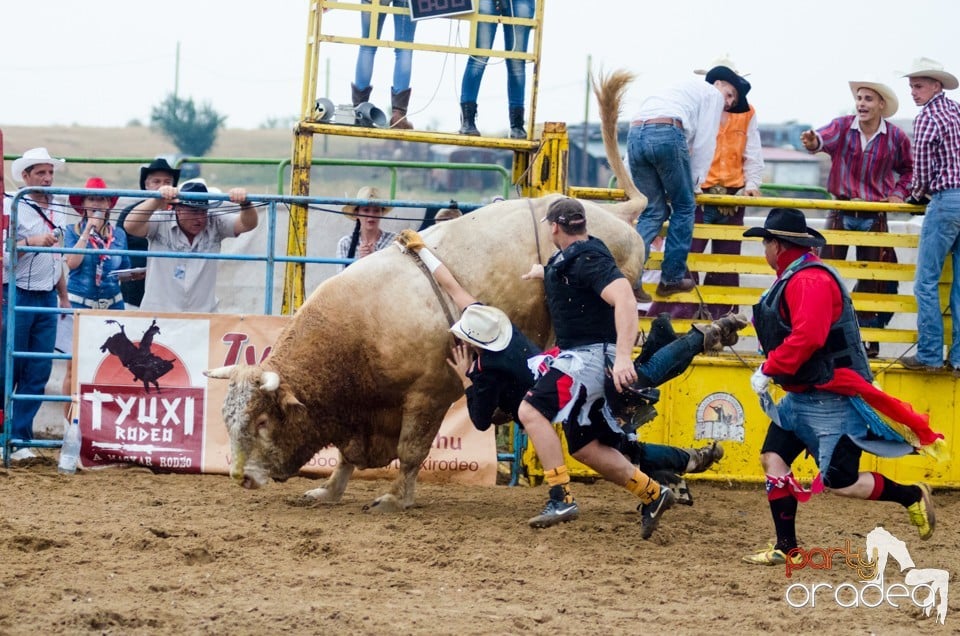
[738, 81]
[788, 225]
[157, 165]
[195, 187]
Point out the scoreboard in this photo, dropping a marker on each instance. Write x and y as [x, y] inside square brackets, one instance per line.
[425, 9]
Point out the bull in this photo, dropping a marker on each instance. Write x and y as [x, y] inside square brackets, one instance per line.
[361, 364]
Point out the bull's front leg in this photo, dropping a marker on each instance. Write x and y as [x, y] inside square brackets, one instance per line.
[332, 489]
[418, 430]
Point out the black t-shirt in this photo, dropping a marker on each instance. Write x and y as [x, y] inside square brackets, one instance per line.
[500, 379]
[574, 279]
[133, 289]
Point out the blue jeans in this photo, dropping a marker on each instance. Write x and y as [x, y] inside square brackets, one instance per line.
[671, 359]
[403, 30]
[939, 237]
[659, 457]
[660, 166]
[36, 333]
[821, 418]
[514, 39]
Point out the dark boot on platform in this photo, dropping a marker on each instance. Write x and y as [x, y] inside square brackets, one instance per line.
[399, 103]
[516, 125]
[359, 96]
[468, 119]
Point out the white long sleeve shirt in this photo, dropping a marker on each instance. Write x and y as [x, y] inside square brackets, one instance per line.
[699, 106]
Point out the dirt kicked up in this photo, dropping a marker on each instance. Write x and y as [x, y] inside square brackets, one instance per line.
[132, 552]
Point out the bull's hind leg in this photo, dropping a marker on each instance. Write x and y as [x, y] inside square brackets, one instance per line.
[418, 430]
[332, 489]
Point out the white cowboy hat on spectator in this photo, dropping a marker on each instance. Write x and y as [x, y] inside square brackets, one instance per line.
[889, 97]
[723, 60]
[366, 192]
[484, 327]
[925, 67]
[33, 157]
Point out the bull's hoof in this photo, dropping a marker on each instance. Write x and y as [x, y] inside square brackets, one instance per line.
[320, 495]
[385, 504]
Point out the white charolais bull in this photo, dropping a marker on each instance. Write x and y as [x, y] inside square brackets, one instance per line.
[361, 365]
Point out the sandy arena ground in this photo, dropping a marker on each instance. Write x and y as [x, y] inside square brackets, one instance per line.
[132, 552]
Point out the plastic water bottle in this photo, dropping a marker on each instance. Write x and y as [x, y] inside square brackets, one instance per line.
[70, 451]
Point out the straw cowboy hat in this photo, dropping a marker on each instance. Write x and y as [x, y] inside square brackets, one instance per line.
[889, 97]
[788, 224]
[76, 200]
[925, 67]
[484, 326]
[158, 165]
[33, 157]
[723, 60]
[366, 192]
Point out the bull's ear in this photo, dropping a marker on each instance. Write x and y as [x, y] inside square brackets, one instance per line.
[288, 401]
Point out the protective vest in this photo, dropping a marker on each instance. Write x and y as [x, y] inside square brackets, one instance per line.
[843, 348]
[726, 169]
[580, 316]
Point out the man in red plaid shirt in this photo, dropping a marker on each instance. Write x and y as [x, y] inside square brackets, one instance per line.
[936, 181]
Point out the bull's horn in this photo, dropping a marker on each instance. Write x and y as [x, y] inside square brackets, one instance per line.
[269, 381]
[220, 373]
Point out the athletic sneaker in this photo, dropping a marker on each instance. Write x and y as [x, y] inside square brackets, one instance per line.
[22, 455]
[650, 513]
[921, 513]
[771, 556]
[556, 511]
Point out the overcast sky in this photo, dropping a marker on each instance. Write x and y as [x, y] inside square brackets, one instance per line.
[106, 62]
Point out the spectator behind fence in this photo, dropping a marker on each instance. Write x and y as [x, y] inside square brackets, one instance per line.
[193, 226]
[514, 39]
[367, 237]
[936, 182]
[737, 168]
[671, 144]
[403, 31]
[40, 283]
[157, 173]
[90, 283]
[870, 161]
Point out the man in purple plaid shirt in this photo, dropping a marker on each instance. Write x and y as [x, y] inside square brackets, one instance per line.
[870, 161]
[936, 181]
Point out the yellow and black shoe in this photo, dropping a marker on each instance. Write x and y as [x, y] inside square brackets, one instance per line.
[771, 556]
[921, 513]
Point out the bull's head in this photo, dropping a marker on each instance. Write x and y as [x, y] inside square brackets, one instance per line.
[264, 420]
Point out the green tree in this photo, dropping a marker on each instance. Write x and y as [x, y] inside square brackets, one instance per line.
[192, 130]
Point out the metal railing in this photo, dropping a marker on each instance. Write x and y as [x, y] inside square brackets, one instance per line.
[283, 164]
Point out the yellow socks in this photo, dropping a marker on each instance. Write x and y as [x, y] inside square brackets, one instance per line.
[559, 477]
[643, 487]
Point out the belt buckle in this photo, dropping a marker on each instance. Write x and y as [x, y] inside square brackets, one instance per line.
[104, 303]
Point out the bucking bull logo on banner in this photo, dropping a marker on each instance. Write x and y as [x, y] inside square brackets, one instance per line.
[138, 402]
[146, 366]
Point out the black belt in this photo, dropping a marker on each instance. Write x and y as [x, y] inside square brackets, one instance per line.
[35, 292]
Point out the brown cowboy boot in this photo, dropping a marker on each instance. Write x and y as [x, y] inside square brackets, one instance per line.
[359, 96]
[704, 458]
[722, 332]
[399, 102]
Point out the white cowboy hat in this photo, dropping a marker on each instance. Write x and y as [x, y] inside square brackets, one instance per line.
[889, 97]
[925, 67]
[366, 192]
[32, 157]
[485, 327]
[723, 60]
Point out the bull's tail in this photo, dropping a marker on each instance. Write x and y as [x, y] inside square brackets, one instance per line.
[609, 94]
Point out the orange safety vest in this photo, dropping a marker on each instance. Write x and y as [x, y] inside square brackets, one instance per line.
[727, 166]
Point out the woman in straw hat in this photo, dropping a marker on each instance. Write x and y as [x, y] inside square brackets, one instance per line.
[367, 237]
